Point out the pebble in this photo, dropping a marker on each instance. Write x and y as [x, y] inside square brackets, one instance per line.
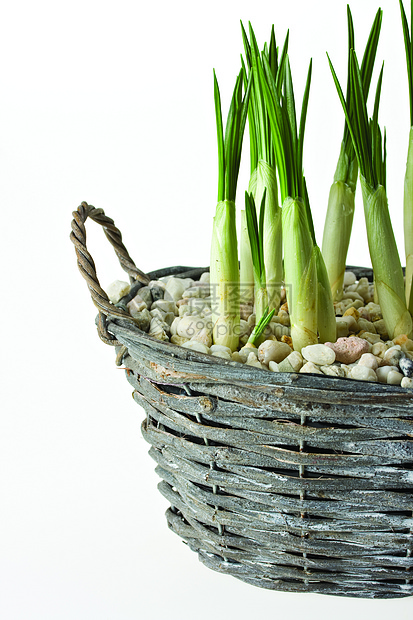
[178, 340]
[116, 290]
[157, 329]
[245, 351]
[363, 373]
[341, 328]
[318, 354]
[378, 349]
[274, 367]
[284, 318]
[374, 311]
[204, 277]
[175, 287]
[295, 359]
[204, 336]
[194, 345]
[189, 326]
[363, 289]
[333, 371]
[394, 377]
[381, 329]
[146, 295]
[349, 278]
[252, 360]
[136, 305]
[407, 382]
[350, 349]
[310, 367]
[273, 351]
[351, 322]
[165, 305]
[198, 291]
[220, 348]
[157, 291]
[393, 355]
[366, 326]
[352, 312]
[353, 295]
[383, 371]
[369, 360]
[371, 338]
[236, 357]
[406, 366]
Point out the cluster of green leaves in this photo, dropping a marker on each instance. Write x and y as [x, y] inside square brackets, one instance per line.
[261, 146]
[230, 146]
[256, 236]
[409, 52]
[260, 326]
[366, 69]
[369, 146]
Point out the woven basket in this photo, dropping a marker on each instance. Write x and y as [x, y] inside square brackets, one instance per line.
[291, 482]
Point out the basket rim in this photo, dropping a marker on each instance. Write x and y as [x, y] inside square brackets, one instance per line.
[159, 352]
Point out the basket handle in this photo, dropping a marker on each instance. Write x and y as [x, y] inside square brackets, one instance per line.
[87, 267]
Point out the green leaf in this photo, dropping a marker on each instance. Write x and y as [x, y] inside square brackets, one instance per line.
[261, 325]
[409, 53]
[220, 137]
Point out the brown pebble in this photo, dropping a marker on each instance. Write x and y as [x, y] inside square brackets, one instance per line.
[400, 339]
[352, 312]
[288, 340]
[284, 307]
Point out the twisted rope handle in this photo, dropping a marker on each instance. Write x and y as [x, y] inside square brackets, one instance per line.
[87, 267]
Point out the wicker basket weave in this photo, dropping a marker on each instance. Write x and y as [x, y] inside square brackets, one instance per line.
[291, 482]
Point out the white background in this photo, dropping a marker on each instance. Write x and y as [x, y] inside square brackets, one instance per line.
[113, 104]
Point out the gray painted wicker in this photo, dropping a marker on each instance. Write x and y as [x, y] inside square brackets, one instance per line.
[290, 482]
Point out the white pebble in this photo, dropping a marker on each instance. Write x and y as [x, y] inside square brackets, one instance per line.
[369, 360]
[333, 371]
[383, 371]
[310, 367]
[174, 288]
[194, 345]
[341, 328]
[273, 366]
[136, 305]
[252, 360]
[366, 326]
[273, 351]
[319, 354]
[245, 351]
[191, 325]
[407, 382]
[363, 373]
[371, 338]
[379, 348]
[165, 305]
[236, 357]
[394, 377]
[116, 290]
[204, 277]
[215, 348]
[296, 360]
[351, 322]
[349, 278]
